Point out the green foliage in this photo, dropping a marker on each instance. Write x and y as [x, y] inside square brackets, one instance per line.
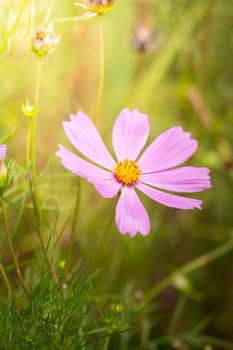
[58, 317]
[170, 290]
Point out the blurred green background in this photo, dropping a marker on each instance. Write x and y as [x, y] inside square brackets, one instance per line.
[182, 75]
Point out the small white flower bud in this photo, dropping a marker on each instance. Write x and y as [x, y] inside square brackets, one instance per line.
[44, 41]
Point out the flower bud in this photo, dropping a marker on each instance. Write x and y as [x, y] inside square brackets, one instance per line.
[44, 41]
[182, 283]
[117, 308]
[29, 109]
[97, 6]
[3, 169]
[144, 39]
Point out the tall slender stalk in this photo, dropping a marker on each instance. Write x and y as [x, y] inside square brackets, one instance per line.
[31, 162]
[96, 113]
[49, 261]
[106, 343]
[11, 248]
[32, 140]
[142, 334]
[103, 238]
[73, 228]
[101, 69]
[6, 281]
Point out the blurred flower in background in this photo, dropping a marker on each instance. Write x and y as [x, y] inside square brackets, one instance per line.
[144, 38]
[95, 7]
[44, 41]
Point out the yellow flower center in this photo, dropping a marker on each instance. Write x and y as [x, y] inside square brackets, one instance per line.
[127, 172]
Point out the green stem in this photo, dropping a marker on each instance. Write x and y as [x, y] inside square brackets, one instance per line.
[49, 261]
[11, 248]
[6, 281]
[31, 151]
[106, 343]
[28, 145]
[10, 32]
[33, 139]
[187, 268]
[73, 228]
[142, 334]
[101, 69]
[31, 134]
[177, 315]
[103, 238]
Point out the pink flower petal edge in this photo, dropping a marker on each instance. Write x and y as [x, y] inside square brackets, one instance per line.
[84, 136]
[131, 216]
[103, 180]
[2, 152]
[169, 149]
[130, 133]
[170, 200]
[184, 179]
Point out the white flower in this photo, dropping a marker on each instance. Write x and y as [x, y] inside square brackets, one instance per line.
[44, 41]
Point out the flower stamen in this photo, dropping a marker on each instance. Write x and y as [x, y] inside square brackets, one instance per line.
[127, 172]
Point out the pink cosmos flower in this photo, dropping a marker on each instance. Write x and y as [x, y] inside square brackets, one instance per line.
[153, 170]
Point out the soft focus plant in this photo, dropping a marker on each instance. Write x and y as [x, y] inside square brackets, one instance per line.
[68, 280]
[95, 7]
[44, 41]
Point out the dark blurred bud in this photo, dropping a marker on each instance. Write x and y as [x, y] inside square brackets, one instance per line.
[144, 39]
[117, 308]
[138, 296]
[176, 345]
[208, 347]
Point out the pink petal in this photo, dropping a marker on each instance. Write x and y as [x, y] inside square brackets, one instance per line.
[108, 188]
[184, 179]
[171, 148]
[130, 133]
[103, 180]
[83, 135]
[2, 152]
[131, 216]
[170, 200]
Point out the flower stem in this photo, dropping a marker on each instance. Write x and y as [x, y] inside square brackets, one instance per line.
[31, 161]
[33, 140]
[6, 281]
[31, 136]
[73, 228]
[103, 238]
[49, 261]
[11, 248]
[101, 69]
[106, 343]
[187, 268]
[142, 332]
